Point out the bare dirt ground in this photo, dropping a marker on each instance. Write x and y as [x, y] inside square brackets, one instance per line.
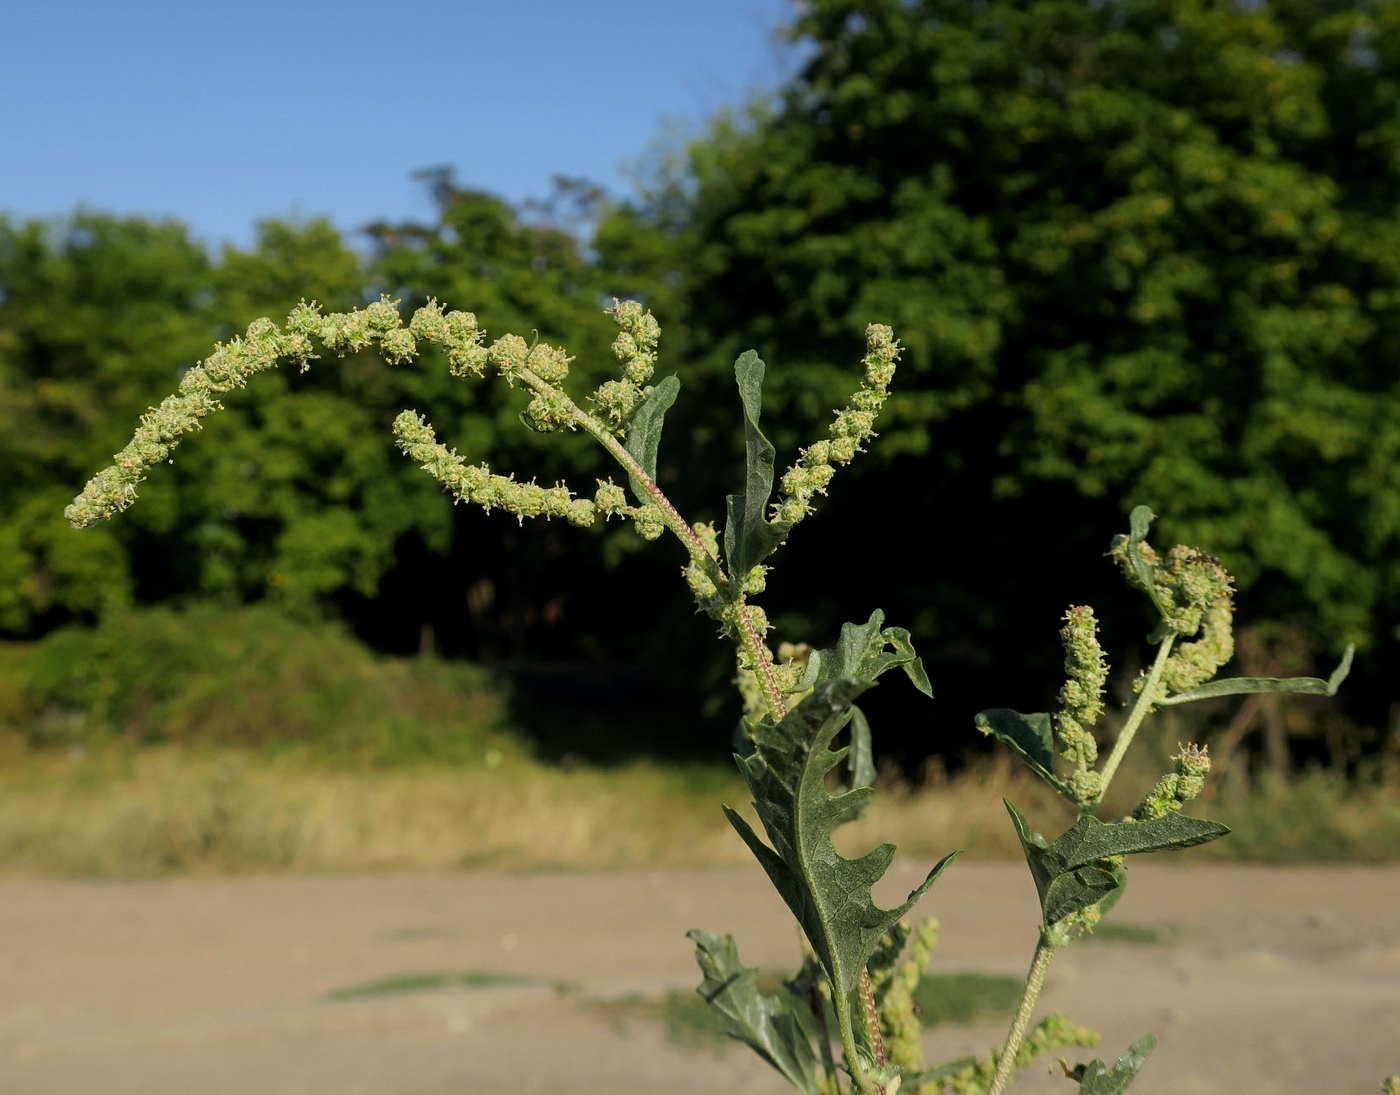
[1275, 981]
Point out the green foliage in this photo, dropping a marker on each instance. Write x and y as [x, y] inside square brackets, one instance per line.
[1077, 870]
[251, 678]
[1134, 250]
[827, 893]
[1095, 1079]
[776, 1027]
[425, 982]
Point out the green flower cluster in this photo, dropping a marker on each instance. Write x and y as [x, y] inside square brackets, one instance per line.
[540, 367]
[1195, 594]
[1177, 788]
[853, 426]
[1081, 701]
[264, 346]
[635, 349]
[477, 484]
[1053, 1033]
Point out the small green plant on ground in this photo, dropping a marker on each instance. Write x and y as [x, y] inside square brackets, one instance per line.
[847, 1020]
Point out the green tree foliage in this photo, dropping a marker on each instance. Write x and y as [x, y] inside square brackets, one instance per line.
[95, 315]
[1135, 249]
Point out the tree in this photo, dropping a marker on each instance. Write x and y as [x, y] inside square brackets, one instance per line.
[1138, 251]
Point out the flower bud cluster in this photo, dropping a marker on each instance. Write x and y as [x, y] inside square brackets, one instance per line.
[702, 586]
[1179, 787]
[265, 345]
[635, 349]
[1081, 701]
[230, 366]
[790, 669]
[853, 426]
[1197, 596]
[1086, 669]
[895, 984]
[458, 335]
[477, 484]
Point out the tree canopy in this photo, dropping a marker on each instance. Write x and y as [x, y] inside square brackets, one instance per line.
[1138, 251]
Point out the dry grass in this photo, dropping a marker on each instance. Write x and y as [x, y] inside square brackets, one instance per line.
[166, 810]
[134, 813]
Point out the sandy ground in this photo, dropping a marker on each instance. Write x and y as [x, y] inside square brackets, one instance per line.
[1277, 981]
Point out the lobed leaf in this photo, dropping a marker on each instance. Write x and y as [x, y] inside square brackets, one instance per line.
[1098, 1080]
[749, 537]
[1071, 874]
[1030, 737]
[1239, 686]
[860, 654]
[774, 1026]
[860, 759]
[829, 894]
[643, 435]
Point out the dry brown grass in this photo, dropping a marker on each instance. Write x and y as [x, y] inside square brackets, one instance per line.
[167, 810]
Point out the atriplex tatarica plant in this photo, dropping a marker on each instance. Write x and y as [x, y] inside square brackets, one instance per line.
[846, 1021]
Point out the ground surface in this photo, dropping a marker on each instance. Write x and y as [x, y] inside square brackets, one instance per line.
[1276, 981]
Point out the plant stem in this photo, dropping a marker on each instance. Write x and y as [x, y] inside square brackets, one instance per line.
[758, 655]
[670, 516]
[872, 1017]
[1146, 698]
[1035, 981]
[842, 1006]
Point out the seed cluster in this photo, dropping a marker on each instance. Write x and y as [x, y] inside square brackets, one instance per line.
[1196, 595]
[1081, 700]
[853, 426]
[477, 484]
[635, 350]
[1177, 788]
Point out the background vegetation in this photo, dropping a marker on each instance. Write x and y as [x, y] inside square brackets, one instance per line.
[1140, 251]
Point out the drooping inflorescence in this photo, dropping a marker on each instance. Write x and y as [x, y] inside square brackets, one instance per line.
[1196, 595]
[476, 483]
[265, 345]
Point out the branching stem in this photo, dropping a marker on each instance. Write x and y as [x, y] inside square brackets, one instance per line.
[1146, 698]
[605, 437]
[671, 517]
[1035, 981]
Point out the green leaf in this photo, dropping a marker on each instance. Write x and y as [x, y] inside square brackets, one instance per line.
[1139, 521]
[860, 653]
[1238, 686]
[1071, 874]
[644, 429]
[749, 537]
[1028, 736]
[860, 759]
[1097, 1080]
[775, 1026]
[827, 893]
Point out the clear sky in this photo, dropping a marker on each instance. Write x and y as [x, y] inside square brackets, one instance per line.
[220, 114]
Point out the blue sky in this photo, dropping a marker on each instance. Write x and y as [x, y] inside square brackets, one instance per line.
[221, 114]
